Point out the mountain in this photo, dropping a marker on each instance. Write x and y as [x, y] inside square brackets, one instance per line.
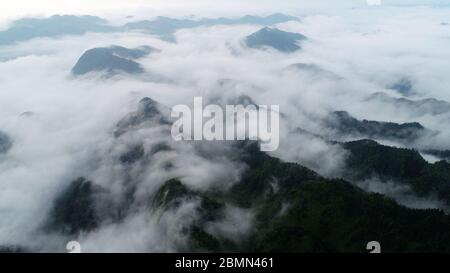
[301, 212]
[162, 26]
[272, 37]
[441, 154]
[347, 125]
[251, 19]
[368, 159]
[148, 112]
[132, 53]
[293, 208]
[307, 67]
[5, 143]
[429, 106]
[403, 86]
[114, 59]
[57, 25]
[74, 209]
[13, 249]
[314, 70]
[166, 27]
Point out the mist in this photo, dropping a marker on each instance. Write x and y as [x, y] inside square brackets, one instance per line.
[62, 126]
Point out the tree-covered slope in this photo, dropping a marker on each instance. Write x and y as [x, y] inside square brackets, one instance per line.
[274, 206]
[369, 159]
[299, 211]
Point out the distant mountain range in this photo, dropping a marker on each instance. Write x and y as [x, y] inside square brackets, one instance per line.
[166, 27]
[346, 125]
[117, 59]
[429, 106]
[274, 38]
[57, 25]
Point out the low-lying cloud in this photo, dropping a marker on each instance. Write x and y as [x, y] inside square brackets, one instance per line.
[63, 127]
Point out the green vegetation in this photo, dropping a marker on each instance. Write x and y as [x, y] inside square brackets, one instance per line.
[368, 159]
[346, 124]
[298, 211]
[295, 209]
[74, 210]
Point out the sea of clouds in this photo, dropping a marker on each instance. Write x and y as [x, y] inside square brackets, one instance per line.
[62, 127]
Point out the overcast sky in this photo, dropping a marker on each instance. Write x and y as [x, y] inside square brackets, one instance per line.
[11, 9]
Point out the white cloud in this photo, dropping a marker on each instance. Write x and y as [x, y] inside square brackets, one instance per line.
[73, 119]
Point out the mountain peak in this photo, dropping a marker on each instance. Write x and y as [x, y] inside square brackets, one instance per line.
[111, 59]
[272, 37]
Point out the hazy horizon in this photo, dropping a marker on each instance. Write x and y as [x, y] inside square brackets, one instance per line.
[32, 8]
